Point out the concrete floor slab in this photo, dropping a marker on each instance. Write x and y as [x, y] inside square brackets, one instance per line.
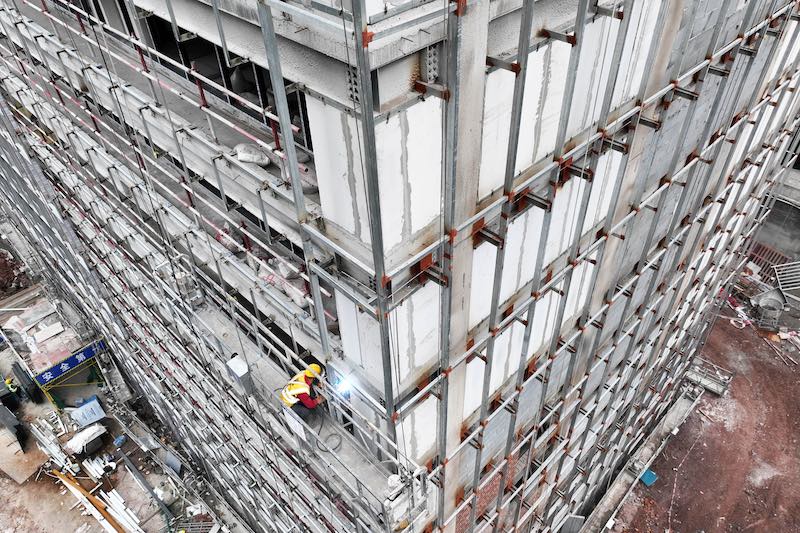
[19, 464]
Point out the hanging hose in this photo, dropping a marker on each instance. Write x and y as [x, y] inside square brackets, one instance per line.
[333, 441]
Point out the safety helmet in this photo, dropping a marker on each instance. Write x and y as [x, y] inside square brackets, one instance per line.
[314, 370]
[9, 381]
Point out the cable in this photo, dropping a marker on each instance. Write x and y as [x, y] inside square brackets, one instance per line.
[328, 440]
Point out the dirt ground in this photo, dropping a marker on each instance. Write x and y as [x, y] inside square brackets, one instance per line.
[735, 464]
[42, 504]
[40, 507]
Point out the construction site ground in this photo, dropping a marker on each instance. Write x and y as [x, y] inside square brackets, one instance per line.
[735, 464]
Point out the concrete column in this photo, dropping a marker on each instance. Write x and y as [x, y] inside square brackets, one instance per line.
[471, 82]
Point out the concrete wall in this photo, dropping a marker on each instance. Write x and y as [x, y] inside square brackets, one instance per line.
[780, 230]
[409, 170]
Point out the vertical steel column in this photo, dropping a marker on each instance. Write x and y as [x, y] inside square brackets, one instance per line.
[594, 156]
[291, 164]
[523, 45]
[361, 41]
[450, 148]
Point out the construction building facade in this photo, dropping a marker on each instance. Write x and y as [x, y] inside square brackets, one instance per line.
[503, 226]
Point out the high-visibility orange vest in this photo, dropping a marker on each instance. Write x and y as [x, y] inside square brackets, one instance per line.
[296, 386]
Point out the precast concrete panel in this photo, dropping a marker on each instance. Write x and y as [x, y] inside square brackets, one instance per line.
[524, 234]
[606, 178]
[409, 169]
[360, 338]
[545, 85]
[592, 75]
[423, 158]
[496, 121]
[415, 333]
[544, 320]
[633, 61]
[483, 261]
[565, 221]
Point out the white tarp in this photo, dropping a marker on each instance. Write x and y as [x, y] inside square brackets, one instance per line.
[78, 443]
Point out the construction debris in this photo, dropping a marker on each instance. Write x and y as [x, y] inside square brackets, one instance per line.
[97, 508]
[98, 467]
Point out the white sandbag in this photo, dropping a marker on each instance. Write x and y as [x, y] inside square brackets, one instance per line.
[250, 153]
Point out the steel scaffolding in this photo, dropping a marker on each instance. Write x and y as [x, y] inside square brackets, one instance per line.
[119, 161]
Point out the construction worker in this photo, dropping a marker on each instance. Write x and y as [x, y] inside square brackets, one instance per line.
[11, 386]
[299, 394]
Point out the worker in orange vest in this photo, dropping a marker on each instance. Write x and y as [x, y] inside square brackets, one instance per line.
[299, 394]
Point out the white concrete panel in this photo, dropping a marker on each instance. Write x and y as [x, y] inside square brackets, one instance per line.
[634, 54]
[564, 221]
[529, 397]
[514, 254]
[473, 386]
[415, 330]
[533, 236]
[763, 122]
[541, 108]
[331, 160]
[593, 70]
[500, 360]
[360, 338]
[783, 49]
[529, 131]
[483, 261]
[505, 363]
[794, 52]
[579, 290]
[496, 123]
[373, 7]
[712, 216]
[751, 175]
[522, 245]
[601, 198]
[557, 373]
[741, 136]
[337, 159]
[409, 157]
[507, 353]
[395, 79]
[550, 107]
[544, 318]
[389, 148]
[417, 431]
[424, 159]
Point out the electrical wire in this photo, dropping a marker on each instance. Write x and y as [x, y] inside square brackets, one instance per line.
[332, 441]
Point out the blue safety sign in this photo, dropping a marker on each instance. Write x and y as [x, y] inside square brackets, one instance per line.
[75, 360]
